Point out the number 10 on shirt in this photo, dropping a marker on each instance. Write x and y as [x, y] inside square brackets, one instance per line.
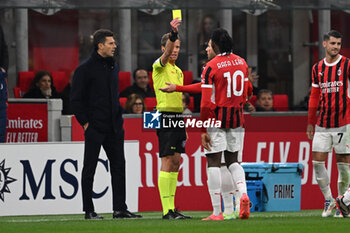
[236, 75]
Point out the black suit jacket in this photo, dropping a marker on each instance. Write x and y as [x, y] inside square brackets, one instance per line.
[94, 95]
[4, 54]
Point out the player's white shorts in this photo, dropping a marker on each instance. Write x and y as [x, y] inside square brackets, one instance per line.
[326, 138]
[225, 139]
[240, 152]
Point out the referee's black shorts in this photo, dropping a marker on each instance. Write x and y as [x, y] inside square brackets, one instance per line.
[171, 140]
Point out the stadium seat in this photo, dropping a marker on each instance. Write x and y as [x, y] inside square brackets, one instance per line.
[252, 100]
[150, 102]
[124, 80]
[25, 78]
[280, 102]
[17, 92]
[122, 101]
[60, 80]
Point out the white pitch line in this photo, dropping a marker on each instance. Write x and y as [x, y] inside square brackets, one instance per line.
[68, 220]
[38, 220]
[254, 215]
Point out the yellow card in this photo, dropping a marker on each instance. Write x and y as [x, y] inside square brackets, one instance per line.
[177, 14]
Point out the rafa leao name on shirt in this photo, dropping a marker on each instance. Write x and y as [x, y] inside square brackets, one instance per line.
[224, 64]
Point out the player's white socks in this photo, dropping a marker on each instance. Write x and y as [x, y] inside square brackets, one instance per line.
[346, 198]
[227, 189]
[238, 176]
[343, 177]
[237, 199]
[214, 183]
[322, 178]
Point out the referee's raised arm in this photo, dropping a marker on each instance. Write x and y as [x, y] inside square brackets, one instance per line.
[170, 44]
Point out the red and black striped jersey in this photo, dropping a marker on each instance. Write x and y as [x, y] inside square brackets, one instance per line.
[331, 83]
[226, 76]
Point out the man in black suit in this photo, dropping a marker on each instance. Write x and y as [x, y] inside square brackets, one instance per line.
[95, 103]
[4, 54]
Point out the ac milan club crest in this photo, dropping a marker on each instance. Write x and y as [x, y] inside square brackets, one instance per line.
[339, 72]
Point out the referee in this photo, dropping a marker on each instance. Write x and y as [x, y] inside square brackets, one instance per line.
[171, 140]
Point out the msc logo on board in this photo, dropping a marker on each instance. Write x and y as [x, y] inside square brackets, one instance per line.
[5, 180]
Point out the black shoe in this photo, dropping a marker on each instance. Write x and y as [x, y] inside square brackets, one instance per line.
[344, 209]
[125, 214]
[172, 215]
[92, 215]
[176, 212]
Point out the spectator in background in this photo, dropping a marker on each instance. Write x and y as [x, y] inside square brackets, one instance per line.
[264, 101]
[3, 104]
[207, 26]
[42, 86]
[185, 103]
[67, 110]
[140, 86]
[135, 104]
[253, 78]
[4, 54]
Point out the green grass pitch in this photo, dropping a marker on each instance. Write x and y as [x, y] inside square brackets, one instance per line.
[269, 222]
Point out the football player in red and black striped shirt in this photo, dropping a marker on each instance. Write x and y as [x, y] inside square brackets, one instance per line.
[330, 93]
[224, 89]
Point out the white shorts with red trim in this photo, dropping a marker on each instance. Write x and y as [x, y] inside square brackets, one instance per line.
[327, 138]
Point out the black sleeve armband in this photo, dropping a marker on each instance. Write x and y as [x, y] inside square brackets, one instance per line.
[173, 36]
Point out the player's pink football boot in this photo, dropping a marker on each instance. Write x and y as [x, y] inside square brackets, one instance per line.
[244, 211]
[214, 217]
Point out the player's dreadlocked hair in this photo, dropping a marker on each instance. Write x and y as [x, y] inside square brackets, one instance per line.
[223, 40]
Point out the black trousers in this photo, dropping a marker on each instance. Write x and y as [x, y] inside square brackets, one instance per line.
[3, 121]
[113, 145]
